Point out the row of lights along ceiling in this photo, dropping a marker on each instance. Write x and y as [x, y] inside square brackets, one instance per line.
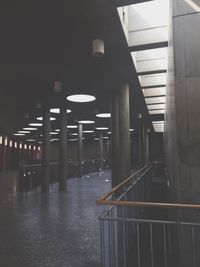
[80, 98]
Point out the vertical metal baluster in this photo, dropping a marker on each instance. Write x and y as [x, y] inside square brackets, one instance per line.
[124, 236]
[109, 240]
[103, 255]
[151, 239]
[138, 243]
[165, 244]
[193, 246]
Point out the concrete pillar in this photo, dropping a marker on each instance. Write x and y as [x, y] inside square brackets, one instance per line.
[124, 133]
[141, 140]
[80, 150]
[63, 149]
[146, 146]
[46, 150]
[101, 151]
[115, 140]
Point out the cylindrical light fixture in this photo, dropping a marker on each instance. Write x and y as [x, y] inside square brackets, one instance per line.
[57, 86]
[98, 48]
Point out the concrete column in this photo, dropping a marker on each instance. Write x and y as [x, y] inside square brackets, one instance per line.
[46, 150]
[80, 150]
[124, 133]
[141, 152]
[101, 151]
[63, 149]
[146, 146]
[115, 140]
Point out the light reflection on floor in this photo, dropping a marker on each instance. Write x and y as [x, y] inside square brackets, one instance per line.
[55, 229]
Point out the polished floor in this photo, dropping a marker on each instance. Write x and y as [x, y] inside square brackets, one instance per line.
[51, 230]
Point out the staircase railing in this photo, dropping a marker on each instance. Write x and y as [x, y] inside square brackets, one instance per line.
[135, 232]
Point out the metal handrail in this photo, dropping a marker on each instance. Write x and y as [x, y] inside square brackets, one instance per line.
[105, 201]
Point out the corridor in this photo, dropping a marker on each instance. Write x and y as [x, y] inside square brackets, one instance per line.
[55, 229]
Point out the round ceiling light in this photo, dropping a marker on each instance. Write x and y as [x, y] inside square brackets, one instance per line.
[35, 124]
[41, 118]
[104, 115]
[88, 131]
[81, 98]
[19, 134]
[57, 110]
[72, 126]
[30, 129]
[24, 132]
[102, 128]
[86, 122]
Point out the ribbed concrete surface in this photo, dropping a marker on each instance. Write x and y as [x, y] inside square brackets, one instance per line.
[55, 229]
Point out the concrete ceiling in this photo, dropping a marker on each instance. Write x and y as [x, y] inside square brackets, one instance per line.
[43, 42]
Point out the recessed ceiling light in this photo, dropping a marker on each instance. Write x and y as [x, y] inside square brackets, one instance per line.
[88, 131]
[96, 139]
[105, 137]
[81, 98]
[72, 126]
[73, 140]
[57, 110]
[102, 128]
[19, 134]
[41, 118]
[30, 140]
[30, 129]
[109, 132]
[24, 132]
[35, 124]
[53, 133]
[131, 130]
[74, 134]
[55, 139]
[103, 115]
[57, 130]
[86, 122]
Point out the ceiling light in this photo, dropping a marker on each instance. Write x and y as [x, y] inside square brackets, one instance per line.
[55, 139]
[81, 98]
[88, 131]
[98, 48]
[19, 134]
[131, 130]
[24, 132]
[105, 137]
[86, 122]
[109, 132]
[35, 124]
[103, 115]
[74, 134]
[57, 86]
[41, 118]
[57, 110]
[73, 140]
[30, 129]
[53, 132]
[30, 140]
[96, 139]
[71, 127]
[102, 128]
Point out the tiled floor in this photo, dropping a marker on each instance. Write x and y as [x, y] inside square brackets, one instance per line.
[55, 229]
